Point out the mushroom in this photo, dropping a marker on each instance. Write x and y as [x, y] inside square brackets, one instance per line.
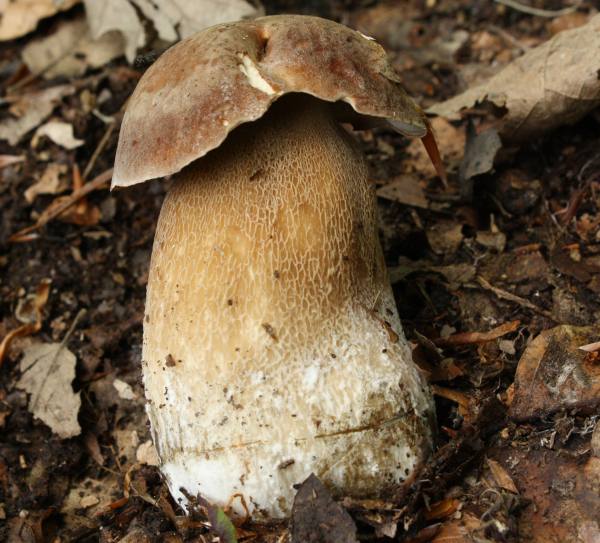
[272, 343]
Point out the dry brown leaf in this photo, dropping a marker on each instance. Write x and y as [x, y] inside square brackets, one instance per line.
[501, 476]
[445, 237]
[70, 51]
[562, 486]
[48, 369]
[461, 531]
[32, 108]
[39, 301]
[404, 189]
[59, 132]
[19, 17]
[442, 509]
[116, 15]
[172, 19]
[554, 374]
[551, 85]
[49, 183]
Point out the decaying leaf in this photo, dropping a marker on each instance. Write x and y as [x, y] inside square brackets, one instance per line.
[551, 85]
[501, 476]
[48, 369]
[316, 517]
[480, 153]
[554, 374]
[39, 301]
[59, 132]
[19, 17]
[71, 50]
[49, 183]
[172, 19]
[563, 487]
[445, 237]
[404, 189]
[33, 108]
[116, 15]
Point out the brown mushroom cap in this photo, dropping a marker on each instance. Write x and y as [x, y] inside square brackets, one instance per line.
[202, 88]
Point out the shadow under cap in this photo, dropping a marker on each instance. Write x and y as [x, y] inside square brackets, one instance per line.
[199, 90]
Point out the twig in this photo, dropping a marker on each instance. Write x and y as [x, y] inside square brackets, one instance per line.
[470, 338]
[104, 140]
[530, 10]
[509, 38]
[99, 148]
[505, 295]
[70, 201]
[578, 194]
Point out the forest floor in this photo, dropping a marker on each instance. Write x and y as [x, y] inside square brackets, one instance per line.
[496, 276]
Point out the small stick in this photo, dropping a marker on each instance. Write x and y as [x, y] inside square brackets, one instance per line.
[530, 10]
[505, 295]
[46, 217]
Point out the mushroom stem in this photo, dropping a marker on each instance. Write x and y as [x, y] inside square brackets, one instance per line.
[272, 344]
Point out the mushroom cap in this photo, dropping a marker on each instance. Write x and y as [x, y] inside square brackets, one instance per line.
[203, 87]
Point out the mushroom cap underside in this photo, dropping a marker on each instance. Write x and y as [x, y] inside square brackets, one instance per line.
[203, 87]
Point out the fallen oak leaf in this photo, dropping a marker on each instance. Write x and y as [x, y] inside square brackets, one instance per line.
[19, 17]
[48, 183]
[48, 370]
[551, 85]
[70, 51]
[59, 132]
[39, 301]
[501, 476]
[31, 109]
[52, 212]
[171, 19]
[470, 338]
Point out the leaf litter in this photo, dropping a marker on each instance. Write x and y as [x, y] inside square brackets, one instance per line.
[467, 266]
[47, 373]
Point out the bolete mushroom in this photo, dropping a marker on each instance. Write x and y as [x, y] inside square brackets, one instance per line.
[272, 343]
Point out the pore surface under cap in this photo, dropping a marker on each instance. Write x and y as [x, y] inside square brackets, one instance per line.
[202, 88]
